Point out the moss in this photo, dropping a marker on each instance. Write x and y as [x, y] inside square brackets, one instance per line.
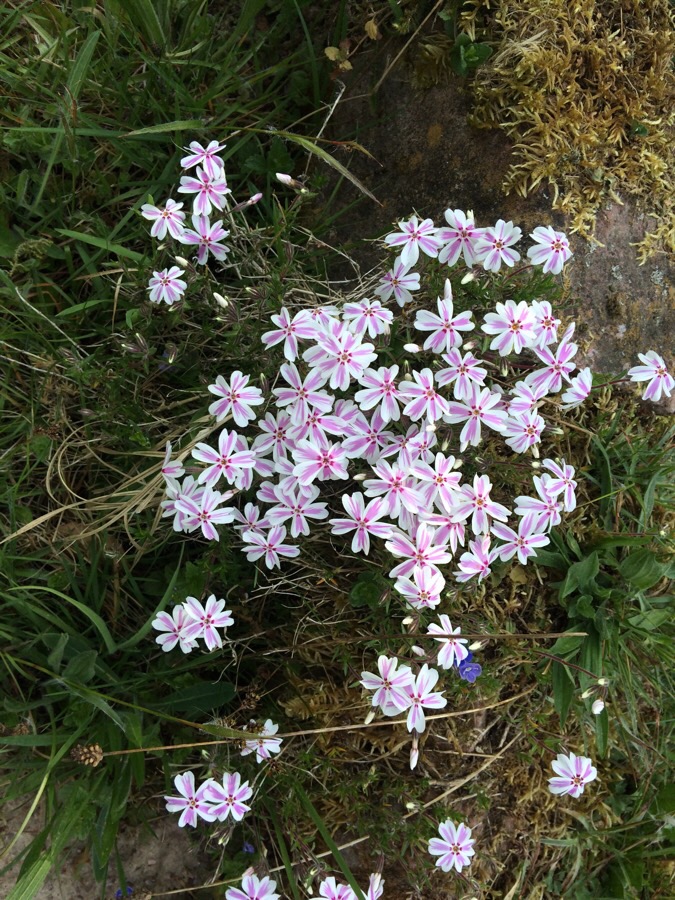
[585, 90]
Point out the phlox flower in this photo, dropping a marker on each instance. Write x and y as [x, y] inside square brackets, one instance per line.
[424, 401]
[210, 191]
[655, 372]
[440, 483]
[525, 397]
[398, 281]
[289, 331]
[461, 237]
[340, 358]
[367, 315]
[167, 285]
[363, 521]
[424, 550]
[167, 218]
[263, 746]
[389, 686]
[206, 157]
[463, 372]
[475, 501]
[413, 237]
[210, 617]
[578, 390]
[494, 246]
[546, 324]
[574, 773]
[448, 532]
[551, 250]
[207, 237]
[477, 561]
[396, 486]
[271, 546]
[317, 426]
[236, 398]
[250, 519]
[297, 504]
[445, 327]
[452, 651]
[523, 431]
[558, 365]
[514, 326]
[178, 628]
[561, 482]
[366, 439]
[301, 395]
[189, 489]
[203, 513]
[192, 804]
[454, 848]
[321, 460]
[524, 542]
[477, 409]
[375, 887]
[229, 799]
[423, 591]
[414, 445]
[226, 461]
[171, 469]
[275, 436]
[545, 507]
[380, 391]
[422, 696]
[330, 889]
[253, 888]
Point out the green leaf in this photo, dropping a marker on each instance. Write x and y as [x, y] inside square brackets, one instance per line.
[563, 689]
[168, 127]
[651, 619]
[81, 667]
[581, 575]
[549, 560]
[642, 569]
[102, 244]
[143, 15]
[202, 696]
[567, 646]
[601, 732]
[368, 590]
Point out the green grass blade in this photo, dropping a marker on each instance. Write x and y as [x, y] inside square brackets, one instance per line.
[101, 244]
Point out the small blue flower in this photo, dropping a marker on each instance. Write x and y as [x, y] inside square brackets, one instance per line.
[119, 895]
[469, 670]
[248, 848]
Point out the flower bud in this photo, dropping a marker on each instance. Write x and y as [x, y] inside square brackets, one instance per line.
[369, 718]
[418, 651]
[466, 279]
[361, 476]
[477, 645]
[408, 620]
[220, 300]
[182, 261]
[412, 348]
[603, 682]
[430, 427]
[597, 707]
[414, 756]
[284, 179]
[468, 345]
[586, 694]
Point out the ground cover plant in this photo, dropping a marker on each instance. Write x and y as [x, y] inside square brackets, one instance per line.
[267, 707]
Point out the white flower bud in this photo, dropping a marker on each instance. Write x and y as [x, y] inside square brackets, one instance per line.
[369, 718]
[360, 477]
[597, 707]
[535, 464]
[586, 694]
[412, 348]
[414, 756]
[220, 300]
[408, 620]
[458, 463]
[182, 261]
[418, 651]
[477, 645]
[430, 427]
[284, 179]
[603, 682]
[466, 279]
[469, 345]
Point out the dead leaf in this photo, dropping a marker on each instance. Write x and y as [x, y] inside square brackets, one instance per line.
[372, 30]
[333, 53]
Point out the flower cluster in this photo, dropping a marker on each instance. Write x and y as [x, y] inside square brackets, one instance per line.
[192, 621]
[211, 801]
[210, 191]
